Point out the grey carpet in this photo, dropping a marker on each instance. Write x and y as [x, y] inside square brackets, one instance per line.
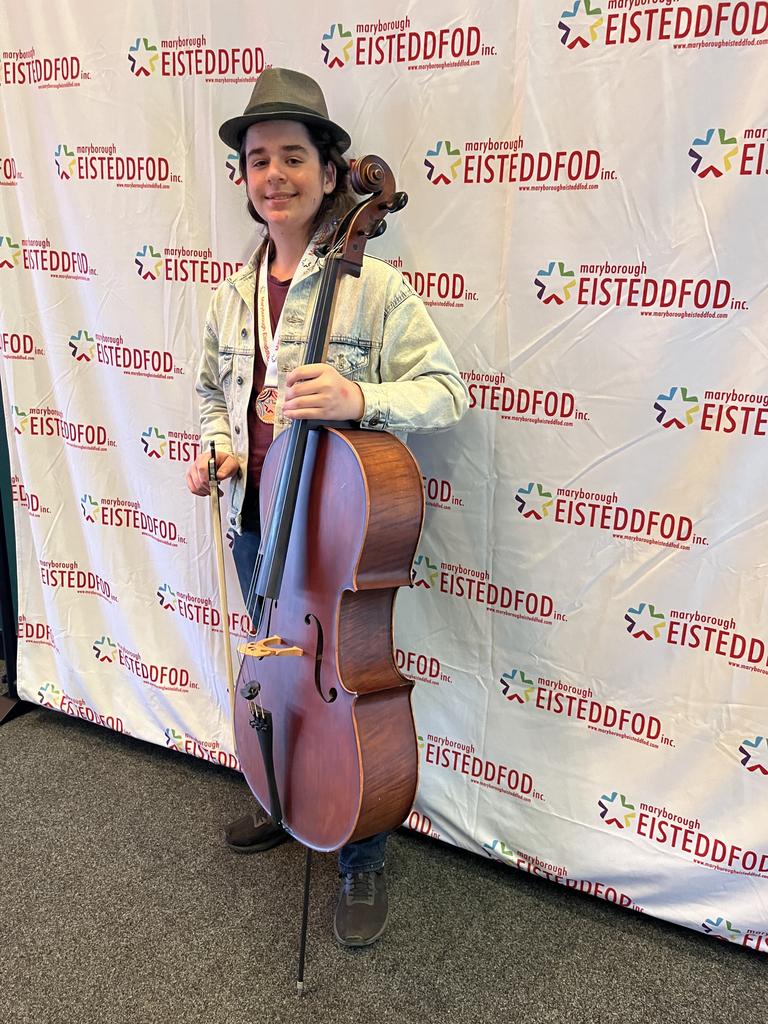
[119, 903]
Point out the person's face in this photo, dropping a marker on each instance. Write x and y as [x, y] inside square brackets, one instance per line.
[285, 179]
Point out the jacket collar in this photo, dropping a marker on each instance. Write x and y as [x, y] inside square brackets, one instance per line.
[244, 279]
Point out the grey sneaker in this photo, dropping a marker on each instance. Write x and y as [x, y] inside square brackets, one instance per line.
[361, 913]
[252, 835]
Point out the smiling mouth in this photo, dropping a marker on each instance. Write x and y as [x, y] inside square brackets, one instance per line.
[281, 195]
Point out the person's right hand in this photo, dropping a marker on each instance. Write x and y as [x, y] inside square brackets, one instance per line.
[197, 471]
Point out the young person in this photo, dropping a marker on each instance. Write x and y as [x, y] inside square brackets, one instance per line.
[388, 369]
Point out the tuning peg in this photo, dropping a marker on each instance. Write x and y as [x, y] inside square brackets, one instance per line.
[380, 228]
[399, 200]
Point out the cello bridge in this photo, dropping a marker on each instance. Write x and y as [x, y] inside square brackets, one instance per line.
[271, 646]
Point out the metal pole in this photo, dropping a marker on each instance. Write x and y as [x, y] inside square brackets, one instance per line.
[8, 612]
[304, 916]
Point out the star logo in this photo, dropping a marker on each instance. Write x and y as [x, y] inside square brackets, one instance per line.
[498, 848]
[442, 163]
[720, 928]
[65, 162]
[554, 283]
[143, 57]
[616, 810]
[166, 597]
[82, 346]
[336, 46]
[424, 572]
[677, 409]
[713, 154]
[10, 252]
[579, 24]
[516, 685]
[149, 263]
[105, 650]
[645, 622]
[233, 169]
[154, 443]
[533, 502]
[173, 739]
[50, 696]
[20, 420]
[89, 506]
[755, 754]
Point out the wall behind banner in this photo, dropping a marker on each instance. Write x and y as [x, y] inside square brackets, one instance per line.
[587, 226]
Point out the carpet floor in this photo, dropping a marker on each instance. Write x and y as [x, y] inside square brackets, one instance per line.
[120, 903]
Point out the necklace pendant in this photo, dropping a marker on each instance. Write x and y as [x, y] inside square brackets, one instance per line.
[265, 405]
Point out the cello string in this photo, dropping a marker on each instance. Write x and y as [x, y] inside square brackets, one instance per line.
[321, 298]
[287, 456]
[289, 453]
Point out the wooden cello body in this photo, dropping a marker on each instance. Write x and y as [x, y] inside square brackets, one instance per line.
[323, 723]
[344, 748]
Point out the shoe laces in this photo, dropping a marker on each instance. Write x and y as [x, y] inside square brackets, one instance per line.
[360, 887]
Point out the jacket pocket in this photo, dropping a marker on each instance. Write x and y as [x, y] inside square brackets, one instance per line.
[226, 362]
[350, 356]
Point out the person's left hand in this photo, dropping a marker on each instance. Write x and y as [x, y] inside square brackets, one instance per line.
[318, 392]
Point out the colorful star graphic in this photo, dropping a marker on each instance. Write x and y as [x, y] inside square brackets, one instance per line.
[336, 46]
[720, 928]
[10, 252]
[533, 502]
[645, 622]
[676, 409]
[442, 163]
[149, 263]
[616, 810]
[82, 346]
[173, 739]
[516, 685]
[20, 419]
[579, 25]
[424, 572]
[233, 169]
[65, 167]
[154, 443]
[50, 696]
[755, 754]
[143, 57]
[554, 283]
[104, 650]
[498, 848]
[166, 597]
[89, 506]
[713, 154]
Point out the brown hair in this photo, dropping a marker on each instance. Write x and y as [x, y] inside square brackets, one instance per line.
[336, 203]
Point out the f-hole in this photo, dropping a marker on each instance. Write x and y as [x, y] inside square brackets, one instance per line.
[309, 619]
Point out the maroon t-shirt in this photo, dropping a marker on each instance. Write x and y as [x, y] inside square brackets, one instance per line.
[260, 433]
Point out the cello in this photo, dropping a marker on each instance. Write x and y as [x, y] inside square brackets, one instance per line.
[322, 717]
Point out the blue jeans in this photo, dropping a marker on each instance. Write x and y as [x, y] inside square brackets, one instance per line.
[366, 854]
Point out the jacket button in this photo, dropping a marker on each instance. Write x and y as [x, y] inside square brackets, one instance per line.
[237, 430]
[374, 420]
[240, 381]
[244, 332]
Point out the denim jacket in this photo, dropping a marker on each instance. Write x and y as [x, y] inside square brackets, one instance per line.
[381, 337]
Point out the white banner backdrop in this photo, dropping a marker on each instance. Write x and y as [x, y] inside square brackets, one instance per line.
[587, 225]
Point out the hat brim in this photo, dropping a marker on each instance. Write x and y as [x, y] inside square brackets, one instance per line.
[232, 131]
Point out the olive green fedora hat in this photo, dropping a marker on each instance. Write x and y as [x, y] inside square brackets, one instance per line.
[282, 94]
